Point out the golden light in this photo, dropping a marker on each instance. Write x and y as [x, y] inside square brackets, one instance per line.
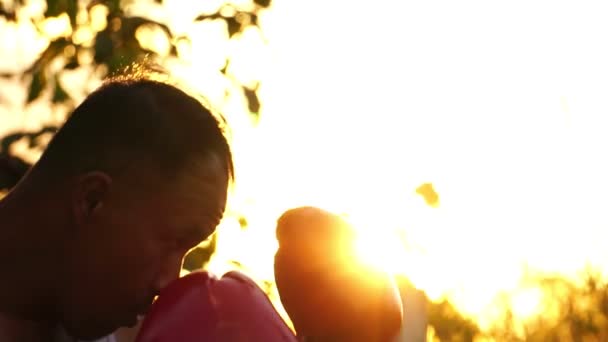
[381, 251]
[99, 14]
[56, 27]
[151, 37]
[362, 105]
[354, 123]
[83, 35]
[527, 302]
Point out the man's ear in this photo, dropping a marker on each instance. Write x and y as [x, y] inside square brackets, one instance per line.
[90, 193]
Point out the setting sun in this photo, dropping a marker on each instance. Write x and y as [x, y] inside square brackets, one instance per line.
[464, 142]
[355, 118]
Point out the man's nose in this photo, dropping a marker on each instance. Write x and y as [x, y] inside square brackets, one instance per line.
[169, 271]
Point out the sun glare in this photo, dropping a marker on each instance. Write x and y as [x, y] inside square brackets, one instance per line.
[462, 147]
[527, 302]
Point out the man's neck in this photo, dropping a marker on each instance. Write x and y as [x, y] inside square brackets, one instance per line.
[29, 258]
[20, 330]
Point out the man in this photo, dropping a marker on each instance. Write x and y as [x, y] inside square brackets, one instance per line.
[136, 177]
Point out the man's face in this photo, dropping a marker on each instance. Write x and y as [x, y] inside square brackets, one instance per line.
[133, 245]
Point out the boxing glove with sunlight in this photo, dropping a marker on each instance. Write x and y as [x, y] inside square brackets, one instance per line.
[327, 292]
[200, 307]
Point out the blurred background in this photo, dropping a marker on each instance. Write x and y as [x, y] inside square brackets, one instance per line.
[464, 140]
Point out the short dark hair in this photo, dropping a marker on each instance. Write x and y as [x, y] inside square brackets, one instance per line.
[134, 118]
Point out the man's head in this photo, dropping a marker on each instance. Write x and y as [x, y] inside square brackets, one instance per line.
[144, 170]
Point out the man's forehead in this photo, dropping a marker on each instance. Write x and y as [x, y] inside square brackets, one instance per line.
[207, 169]
[198, 192]
[191, 220]
[204, 187]
[206, 180]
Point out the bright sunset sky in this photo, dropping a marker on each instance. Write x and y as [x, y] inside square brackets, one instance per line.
[503, 106]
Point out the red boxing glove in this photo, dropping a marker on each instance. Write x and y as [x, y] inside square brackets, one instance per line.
[202, 308]
[328, 295]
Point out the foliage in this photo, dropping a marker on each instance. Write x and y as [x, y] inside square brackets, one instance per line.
[111, 47]
[570, 310]
[449, 324]
[115, 45]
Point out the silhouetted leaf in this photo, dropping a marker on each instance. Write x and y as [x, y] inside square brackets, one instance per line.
[253, 103]
[8, 140]
[31, 137]
[213, 16]
[263, 3]
[72, 11]
[54, 49]
[59, 94]
[243, 222]
[44, 130]
[233, 25]
[72, 64]
[36, 86]
[268, 287]
[236, 263]
[7, 14]
[12, 169]
[427, 191]
[55, 8]
[104, 47]
[253, 19]
[173, 51]
[225, 67]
